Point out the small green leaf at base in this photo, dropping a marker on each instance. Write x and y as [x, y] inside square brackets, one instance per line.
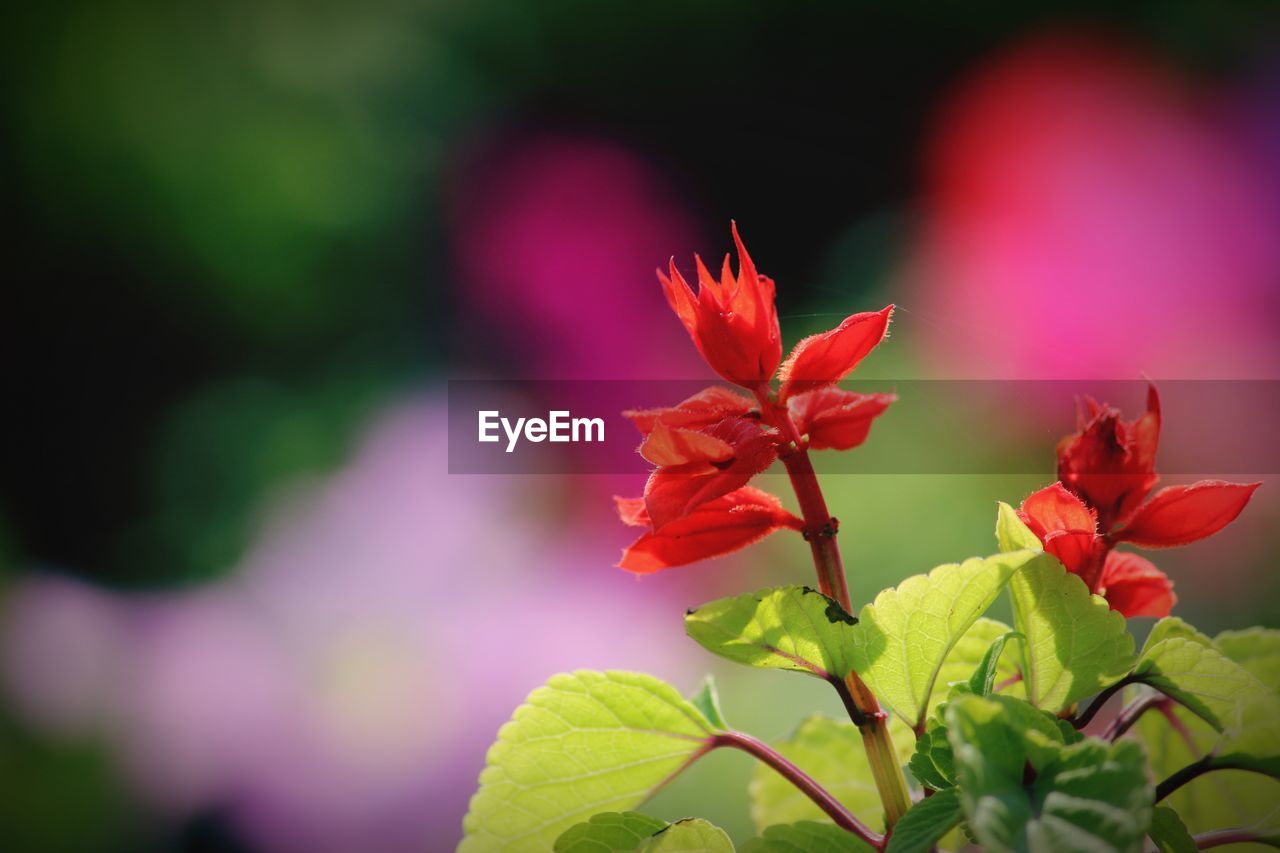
[707, 700]
[983, 680]
[581, 744]
[806, 837]
[693, 835]
[926, 822]
[1169, 832]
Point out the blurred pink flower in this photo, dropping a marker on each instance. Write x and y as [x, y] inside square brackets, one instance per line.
[338, 692]
[556, 239]
[1087, 217]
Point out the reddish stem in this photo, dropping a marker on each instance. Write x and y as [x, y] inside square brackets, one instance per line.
[1219, 837]
[842, 817]
[1130, 714]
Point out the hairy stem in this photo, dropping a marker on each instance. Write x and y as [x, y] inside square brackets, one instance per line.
[820, 531]
[821, 797]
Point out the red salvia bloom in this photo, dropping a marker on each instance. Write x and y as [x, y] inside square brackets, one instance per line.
[733, 321]
[696, 503]
[1107, 470]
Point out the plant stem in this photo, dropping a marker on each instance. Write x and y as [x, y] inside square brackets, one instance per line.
[1098, 701]
[1219, 837]
[821, 797]
[820, 532]
[1182, 777]
[1130, 714]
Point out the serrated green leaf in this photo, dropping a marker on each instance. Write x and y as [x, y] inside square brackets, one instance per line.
[1088, 795]
[1012, 534]
[1255, 649]
[790, 627]
[806, 837]
[830, 752]
[1198, 676]
[1075, 643]
[983, 680]
[933, 763]
[904, 636]
[581, 744]
[707, 700]
[926, 822]
[693, 835]
[1171, 627]
[614, 832]
[1169, 832]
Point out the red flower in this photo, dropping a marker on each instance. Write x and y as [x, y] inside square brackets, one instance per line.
[733, 322]
[1107, 469]
[717, 527]
[707, 448]
[1110, 463]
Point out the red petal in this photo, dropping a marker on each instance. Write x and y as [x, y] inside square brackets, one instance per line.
[718, 527]
[1135, 587]
[680, 297]
[826, 358]
[1079, 551]
[702, 409]
[632, 511]
[675, 491]
[1053, 508]
[678, 446]
[1181, 514]
[836, 419]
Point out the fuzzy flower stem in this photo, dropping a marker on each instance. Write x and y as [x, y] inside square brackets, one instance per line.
[820, 531]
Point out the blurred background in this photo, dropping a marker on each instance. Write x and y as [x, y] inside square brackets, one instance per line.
[244, 607]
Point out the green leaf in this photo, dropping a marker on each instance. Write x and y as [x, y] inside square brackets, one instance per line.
[806, 837]
[1195, 674]
[933, 763]
[1215, 800]
[926, 822]
[983, 680]
[613, 832]
[1075, 644]
[830, 752]
[1171, 627]
[1255, 649]
[903, 637]
[1012, 534]
[967, 654]
[790, 627]
[1169, 832]
[1022, 790]
[1252, 738]
[581, 744]
[693, 835]
[707, 700]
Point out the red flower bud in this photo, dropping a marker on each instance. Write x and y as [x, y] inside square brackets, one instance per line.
[701, 410]
[1135, 587]
[1108, 462]
[733, 321]
[1068, 529]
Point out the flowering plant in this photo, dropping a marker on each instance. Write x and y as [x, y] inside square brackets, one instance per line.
[961, 729]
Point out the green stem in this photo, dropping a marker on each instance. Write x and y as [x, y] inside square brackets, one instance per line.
[820, 529]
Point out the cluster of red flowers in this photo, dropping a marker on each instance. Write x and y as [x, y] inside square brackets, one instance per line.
[697, 503]
[1106, 470]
